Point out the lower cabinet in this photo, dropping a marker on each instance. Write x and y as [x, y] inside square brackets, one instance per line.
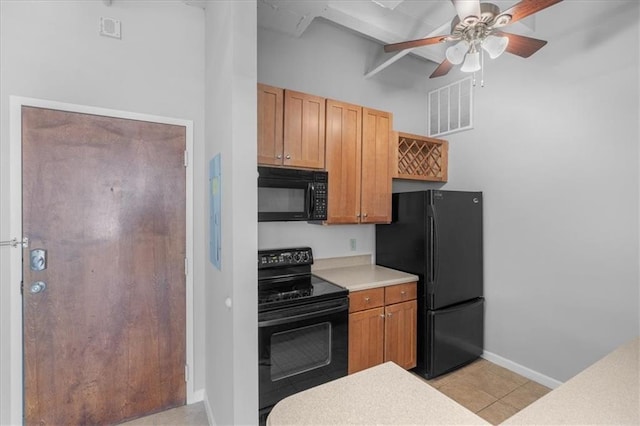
[382, 326]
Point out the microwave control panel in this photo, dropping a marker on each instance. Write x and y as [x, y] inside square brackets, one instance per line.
[320, 201]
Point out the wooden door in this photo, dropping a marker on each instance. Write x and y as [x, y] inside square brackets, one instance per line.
[343, 161]
[366, 339]
[376, 166]
[270, 122]
[400, 330]
[105, 197]
[304, 121]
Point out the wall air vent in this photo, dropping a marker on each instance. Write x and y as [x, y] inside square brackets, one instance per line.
[451, 108]
[110, 27]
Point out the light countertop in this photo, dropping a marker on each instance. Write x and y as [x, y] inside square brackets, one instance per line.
[607, 392]
[362, 277]
[382, 395]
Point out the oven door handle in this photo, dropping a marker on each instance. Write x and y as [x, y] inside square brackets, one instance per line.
[301, 317]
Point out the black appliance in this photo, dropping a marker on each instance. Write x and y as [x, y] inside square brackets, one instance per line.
[302, 326]
[291, 194]
[437, 235]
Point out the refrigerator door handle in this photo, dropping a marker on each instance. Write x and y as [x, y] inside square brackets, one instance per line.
[436, 248]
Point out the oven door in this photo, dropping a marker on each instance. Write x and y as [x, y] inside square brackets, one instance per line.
[301, 347]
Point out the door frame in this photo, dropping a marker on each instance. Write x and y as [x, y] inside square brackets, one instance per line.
[15, 227]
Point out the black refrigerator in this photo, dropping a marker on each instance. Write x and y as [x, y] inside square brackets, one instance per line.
[437, 235]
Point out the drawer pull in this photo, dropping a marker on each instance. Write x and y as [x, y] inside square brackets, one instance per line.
[367, 299]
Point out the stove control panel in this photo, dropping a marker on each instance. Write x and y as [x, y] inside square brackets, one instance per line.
[285, 257]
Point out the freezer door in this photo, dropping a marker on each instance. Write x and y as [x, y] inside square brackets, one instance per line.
[455, 337]
[455, 272]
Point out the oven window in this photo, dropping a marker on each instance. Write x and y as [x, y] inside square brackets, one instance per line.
[299, 350]
[278, 200]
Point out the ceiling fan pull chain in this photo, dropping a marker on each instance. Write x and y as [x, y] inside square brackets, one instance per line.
[481, 67]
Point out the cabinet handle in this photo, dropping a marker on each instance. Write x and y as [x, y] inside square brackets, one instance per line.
[404, 293]
[381, 315]
[366, 299]
[278, 156]
[365, 215]
[389, 314]
[358, 215]
[288, 157]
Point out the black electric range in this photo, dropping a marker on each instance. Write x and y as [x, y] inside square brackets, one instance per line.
[302, 327]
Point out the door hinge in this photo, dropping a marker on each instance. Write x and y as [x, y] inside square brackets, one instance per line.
[186, 266]
[186, 158]
[186, 372]
[21, 287]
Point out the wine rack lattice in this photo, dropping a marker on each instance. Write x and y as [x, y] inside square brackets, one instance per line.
[422, 158]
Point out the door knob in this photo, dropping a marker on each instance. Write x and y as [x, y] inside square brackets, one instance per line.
[37, 287]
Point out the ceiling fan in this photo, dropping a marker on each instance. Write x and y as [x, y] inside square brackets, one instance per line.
[477, 27]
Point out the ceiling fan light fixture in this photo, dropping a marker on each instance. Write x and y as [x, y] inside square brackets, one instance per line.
[455, 54]
[471, 62]
[495, 46]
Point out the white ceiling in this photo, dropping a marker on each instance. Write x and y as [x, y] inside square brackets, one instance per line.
[385, 21]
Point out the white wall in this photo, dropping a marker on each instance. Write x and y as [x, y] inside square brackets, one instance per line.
[231, 129]
[52, 50]
[555, 150]
[330, 62]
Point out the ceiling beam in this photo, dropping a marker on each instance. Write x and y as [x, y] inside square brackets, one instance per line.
[387, 59]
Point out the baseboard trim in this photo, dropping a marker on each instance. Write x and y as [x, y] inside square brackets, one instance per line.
[207, 407]
[522, 370]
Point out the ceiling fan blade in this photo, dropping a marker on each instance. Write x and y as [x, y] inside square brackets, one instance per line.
[521, 45]
[466, 8]
[415, 43]
[442, 69]
[527, 7]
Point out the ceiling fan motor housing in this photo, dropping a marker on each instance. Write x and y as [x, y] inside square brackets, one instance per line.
[476, 28]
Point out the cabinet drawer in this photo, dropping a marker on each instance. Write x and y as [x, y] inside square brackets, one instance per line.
[366, 299]
[400, 293]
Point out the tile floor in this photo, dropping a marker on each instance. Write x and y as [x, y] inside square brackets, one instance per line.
[191, 415]
[491, 391]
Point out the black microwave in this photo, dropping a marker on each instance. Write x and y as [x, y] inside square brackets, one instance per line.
[291, 194]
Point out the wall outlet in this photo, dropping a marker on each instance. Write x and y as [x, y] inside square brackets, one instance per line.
[352, 244]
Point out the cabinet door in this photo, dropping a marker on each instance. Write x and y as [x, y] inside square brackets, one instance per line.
[343, 160]
[400, 329]
[304, 120]
[270, 121]
[366, 339]
[376, 166]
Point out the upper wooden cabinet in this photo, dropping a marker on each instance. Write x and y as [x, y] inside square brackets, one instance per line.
[358, 162]
[376, 166]
[291, 128]
[270, 122]
[343, 161]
